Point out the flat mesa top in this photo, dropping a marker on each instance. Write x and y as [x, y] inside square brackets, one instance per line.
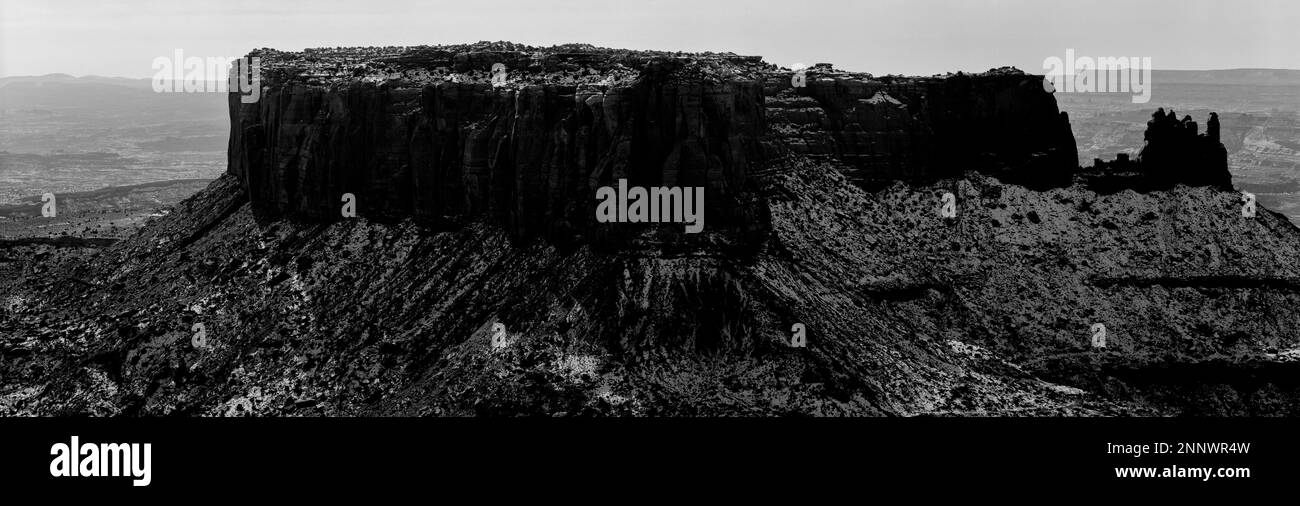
[523, 65]
[574, 64]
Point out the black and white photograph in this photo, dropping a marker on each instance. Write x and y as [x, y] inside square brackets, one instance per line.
[935, 240]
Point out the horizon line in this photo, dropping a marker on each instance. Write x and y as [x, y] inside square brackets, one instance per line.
[83, 76]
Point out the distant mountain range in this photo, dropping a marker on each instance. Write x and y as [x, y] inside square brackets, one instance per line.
[65, 78]
[1229, 76]
[60, 133]
[62, 91]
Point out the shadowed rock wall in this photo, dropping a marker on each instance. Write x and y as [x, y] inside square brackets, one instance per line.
[532, 152]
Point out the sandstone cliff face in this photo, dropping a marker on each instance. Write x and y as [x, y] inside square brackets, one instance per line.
[531, 156]
[921, 129]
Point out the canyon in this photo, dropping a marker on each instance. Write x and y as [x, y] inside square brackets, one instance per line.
[476, 199]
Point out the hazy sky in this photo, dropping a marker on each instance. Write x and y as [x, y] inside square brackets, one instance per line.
[121, 37]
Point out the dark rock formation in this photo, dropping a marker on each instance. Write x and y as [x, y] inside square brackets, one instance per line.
[922, 129]
[906, 311]
[528, 154]
[1176, 154]
[1173, 154]
[531, 157]
[1115, 175]
[424, 132]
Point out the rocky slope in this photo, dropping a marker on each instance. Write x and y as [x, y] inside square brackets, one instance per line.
[476, 280]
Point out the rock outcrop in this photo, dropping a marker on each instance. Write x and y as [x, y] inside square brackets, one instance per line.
[922, 129]
[829, 280]
[1174, 153]
[531, 158]
[437, 134]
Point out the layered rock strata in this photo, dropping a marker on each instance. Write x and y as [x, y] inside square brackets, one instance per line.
[526, 135]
